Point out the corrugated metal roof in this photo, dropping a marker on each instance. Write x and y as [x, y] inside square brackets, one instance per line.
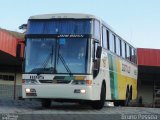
[148, 57]
[14, 34]
[9, 41]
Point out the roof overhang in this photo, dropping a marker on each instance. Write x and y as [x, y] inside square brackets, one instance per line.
[7, 59]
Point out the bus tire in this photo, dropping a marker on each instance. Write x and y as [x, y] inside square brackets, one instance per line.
[131, 93]
[46, 103]
[126, 101]
[100, 103]
[119, 103]
[128, 97]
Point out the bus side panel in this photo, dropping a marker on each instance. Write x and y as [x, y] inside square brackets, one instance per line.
[104, 74]
[132, 82]
[121, 74]
[128, 76]
[113, 76]
[121, 81]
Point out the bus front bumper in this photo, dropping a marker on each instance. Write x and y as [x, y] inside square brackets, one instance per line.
[58, 91]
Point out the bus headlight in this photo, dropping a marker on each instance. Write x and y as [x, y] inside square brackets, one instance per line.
[28, 90]
[83, 91]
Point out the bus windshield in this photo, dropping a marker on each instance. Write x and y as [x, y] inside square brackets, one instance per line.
[62, 55]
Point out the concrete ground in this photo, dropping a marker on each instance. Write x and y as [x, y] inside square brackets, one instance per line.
[32, 110]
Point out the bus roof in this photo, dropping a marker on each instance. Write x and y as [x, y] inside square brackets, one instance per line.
[64, 15]
[68, 15]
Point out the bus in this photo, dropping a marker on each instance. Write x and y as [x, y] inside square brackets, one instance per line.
[77, 58]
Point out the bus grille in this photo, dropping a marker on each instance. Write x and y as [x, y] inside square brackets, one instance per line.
[55, 81]
[45, 81]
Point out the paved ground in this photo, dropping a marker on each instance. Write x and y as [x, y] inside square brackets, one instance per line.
[29, 110]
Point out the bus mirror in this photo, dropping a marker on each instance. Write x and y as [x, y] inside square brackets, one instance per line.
[99, 52]
[18, 51]
[96, 41]
[95, 72]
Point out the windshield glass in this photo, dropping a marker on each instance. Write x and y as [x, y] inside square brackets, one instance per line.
[62, 55]
[40, 55]
[74, 53]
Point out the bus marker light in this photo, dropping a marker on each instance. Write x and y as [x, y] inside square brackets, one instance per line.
[79, 78]
[88, 82]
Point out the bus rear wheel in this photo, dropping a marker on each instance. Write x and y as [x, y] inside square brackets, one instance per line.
[46, 103]
[126, 101]
[100, 103]
[128, 98]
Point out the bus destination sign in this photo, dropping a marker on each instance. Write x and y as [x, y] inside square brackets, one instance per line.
[71, 35]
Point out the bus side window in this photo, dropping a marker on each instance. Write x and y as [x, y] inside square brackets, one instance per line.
[128, 52]
[123, 49]
[118, 46]
[130, 48]
[104, 38]
[111, 42]
[132, 55]
[120, 43]
[97, 29]
[135, 57]
[108, 40]
[114, 38]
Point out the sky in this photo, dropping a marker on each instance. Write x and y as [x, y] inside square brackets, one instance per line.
[137, 21]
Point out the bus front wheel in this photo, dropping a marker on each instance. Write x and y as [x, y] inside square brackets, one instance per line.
[100, 103]
[46, 103]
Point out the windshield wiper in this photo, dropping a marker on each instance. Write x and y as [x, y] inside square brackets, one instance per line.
[64, 62]
[45, 63]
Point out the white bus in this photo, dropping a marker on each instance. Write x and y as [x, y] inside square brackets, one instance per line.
[77, 58]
